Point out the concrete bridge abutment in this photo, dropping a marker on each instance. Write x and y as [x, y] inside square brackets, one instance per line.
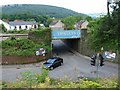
[80, 44]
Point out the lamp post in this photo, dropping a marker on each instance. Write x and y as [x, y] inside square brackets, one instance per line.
[52, 48]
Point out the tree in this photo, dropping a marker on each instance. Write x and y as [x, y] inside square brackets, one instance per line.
[88, 18]
[105, 30]
[49, 20]
[108, 11]
[69, 22]
[78, 18]
[3, 28]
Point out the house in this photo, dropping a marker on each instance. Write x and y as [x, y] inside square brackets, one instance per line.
[6, 25]
[81, 24]
[1, 21]
[20, 25]
[57, 25]
[42, 26]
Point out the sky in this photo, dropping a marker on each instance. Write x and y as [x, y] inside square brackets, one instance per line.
[81, 6]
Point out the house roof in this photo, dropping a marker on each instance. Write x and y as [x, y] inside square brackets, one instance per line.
[22, 23]
[80, 22]
[54, 22]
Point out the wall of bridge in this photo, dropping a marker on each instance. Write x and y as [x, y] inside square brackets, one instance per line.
[73, 43]
[80, 45]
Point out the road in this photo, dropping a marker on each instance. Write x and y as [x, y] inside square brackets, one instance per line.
[74, 66]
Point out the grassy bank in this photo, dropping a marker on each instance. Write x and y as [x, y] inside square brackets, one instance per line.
[21, 47]
[36, 80]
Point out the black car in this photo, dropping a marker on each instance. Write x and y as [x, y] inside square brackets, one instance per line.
[53, 62]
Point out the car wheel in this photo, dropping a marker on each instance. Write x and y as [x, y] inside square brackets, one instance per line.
[51, 68]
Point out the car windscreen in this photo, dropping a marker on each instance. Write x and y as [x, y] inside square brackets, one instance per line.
[50, 60]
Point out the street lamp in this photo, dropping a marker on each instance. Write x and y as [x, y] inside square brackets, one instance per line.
[52, 48]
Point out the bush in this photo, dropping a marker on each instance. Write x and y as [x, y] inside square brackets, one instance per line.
[18, 31]
[3, 85]
[43, 76]
[12, 38]
[89, 84]
[21, 47]
[41, 36]
[32, 79]
[35, 80]
[110, 82]
[8, 43]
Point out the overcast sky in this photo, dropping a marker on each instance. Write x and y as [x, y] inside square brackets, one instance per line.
[81, 6]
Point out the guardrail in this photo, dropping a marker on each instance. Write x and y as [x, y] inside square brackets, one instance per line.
[8, 35]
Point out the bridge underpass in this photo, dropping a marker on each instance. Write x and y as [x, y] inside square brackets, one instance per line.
[69, 37]
[75, 39]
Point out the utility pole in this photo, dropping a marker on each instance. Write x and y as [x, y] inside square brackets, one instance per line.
[97, 65]
[51, 48]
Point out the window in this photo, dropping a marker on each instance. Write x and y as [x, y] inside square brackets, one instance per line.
[26, 27]
[34, 26]
[15, 28]
[19, 27]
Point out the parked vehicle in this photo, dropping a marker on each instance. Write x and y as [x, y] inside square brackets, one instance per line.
[53, 62]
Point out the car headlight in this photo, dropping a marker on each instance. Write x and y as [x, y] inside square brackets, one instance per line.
[48, 66]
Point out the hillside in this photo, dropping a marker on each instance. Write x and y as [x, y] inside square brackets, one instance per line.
[51, 11]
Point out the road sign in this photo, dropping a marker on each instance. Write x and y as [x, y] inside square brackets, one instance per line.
[40, 51]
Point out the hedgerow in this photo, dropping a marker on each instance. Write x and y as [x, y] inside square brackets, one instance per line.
[21, 47]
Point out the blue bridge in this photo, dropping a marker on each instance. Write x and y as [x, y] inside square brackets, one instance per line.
[66, 34]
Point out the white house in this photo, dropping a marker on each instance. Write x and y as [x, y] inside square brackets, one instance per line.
[57, 25]
[1, 21]
[6, 25]
[20, 25]
[42, 25]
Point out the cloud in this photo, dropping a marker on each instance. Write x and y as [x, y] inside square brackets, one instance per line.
[81, 6]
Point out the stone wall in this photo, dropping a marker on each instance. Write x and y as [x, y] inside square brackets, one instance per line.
[84, 47]
[80, 45]
[23, 60]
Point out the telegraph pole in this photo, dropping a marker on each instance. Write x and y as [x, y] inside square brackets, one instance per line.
[97, 65]
[51, 48]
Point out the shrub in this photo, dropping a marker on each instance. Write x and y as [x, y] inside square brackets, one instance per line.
[32, 79]
[3, 85]
[18, 31]
[110, 82]
[21, 47]
[89, 84]
[12, 38]
[41, 36]
[43, 76]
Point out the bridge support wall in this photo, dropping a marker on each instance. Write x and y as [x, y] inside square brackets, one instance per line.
[80, 45]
